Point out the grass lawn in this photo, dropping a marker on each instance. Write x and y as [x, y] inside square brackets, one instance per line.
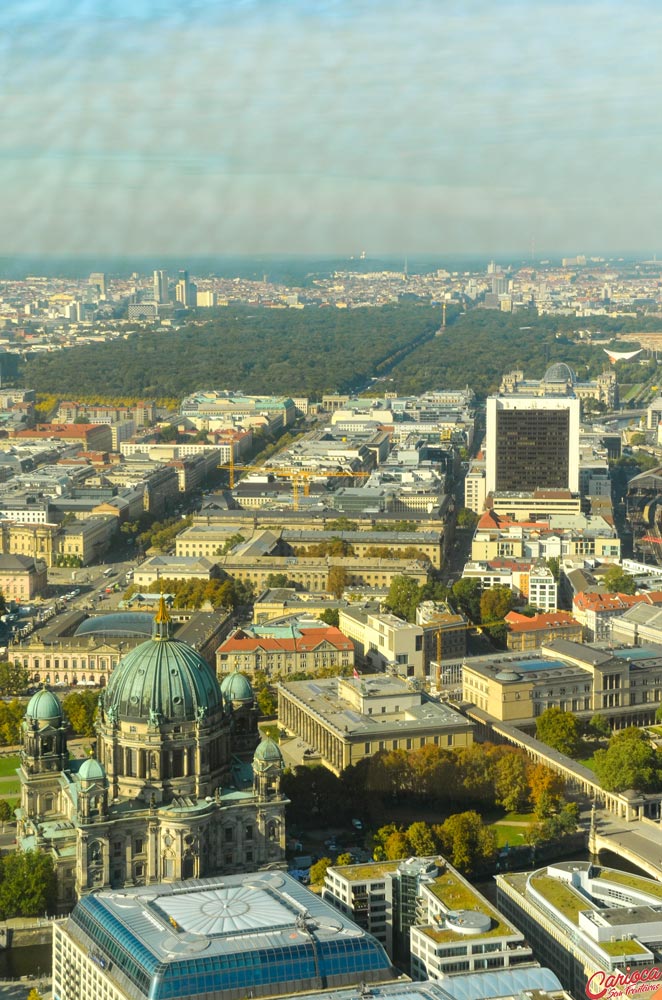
[8, 766]
[9, 787]
[587, 762]
[518, 818]
[513, 836]
[271, 731]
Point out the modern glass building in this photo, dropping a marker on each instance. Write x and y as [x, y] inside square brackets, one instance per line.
[260, 934]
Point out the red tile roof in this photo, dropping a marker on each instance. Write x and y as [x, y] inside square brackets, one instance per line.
[240, 642]
[552, 619]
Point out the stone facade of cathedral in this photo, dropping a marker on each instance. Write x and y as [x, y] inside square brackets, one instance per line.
[172, 792]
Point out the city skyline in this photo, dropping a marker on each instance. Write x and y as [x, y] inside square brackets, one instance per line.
[328, 128]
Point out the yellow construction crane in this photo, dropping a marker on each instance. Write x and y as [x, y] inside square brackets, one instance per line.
[298, 476]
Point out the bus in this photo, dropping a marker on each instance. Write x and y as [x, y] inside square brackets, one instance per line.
[109, 571]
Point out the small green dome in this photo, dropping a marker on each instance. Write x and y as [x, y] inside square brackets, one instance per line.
[91, 770]
[162, 679]
[45, 707]
[266, 754]
[236, 687]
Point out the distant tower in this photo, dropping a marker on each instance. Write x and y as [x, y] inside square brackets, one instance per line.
[183, 289]
[99, 280]
[160, 287]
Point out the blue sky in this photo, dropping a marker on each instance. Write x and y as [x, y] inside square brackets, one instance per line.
[270, 126]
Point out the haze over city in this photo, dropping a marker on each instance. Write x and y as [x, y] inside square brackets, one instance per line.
[337, 127]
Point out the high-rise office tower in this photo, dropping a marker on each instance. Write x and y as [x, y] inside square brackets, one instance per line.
[183, 289]
[532, 443]
[160, 286]
[99, 280]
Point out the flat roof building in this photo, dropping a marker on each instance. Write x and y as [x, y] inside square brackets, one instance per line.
[259, 934]
[349, 719]
[586, 921]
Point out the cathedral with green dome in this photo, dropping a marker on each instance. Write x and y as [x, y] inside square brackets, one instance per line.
[179, 787]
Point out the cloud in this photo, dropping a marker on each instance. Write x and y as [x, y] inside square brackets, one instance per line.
[292, 108]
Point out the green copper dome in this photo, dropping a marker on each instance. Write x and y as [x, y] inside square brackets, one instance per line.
[91, 770]
[162, 680]
[45, 707]
[236, 687]
[267, 753]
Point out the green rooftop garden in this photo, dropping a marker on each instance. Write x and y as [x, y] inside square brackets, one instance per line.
[455, 895]
[364, 873]
[616, 948]
[561, 896]
[636, 882]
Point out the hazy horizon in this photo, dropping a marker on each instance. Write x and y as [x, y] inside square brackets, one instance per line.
[149, 128]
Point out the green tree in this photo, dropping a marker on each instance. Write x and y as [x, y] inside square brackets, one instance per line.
[421, 839]
[337, 580]
[330, 616]
[511, 783]
[599, 726]
[5, 812]
[466, 518]
[617, 581]
[319, 869]
[14, 679]
[559, 730]
[266, 701]
[28, 886]
[553, 563]
[275, 581]
[628, 762]
[495, 603]
[403, 597]
[466, 841]
[465, 595]
[80, 707]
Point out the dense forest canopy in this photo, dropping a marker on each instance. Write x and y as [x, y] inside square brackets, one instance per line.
[258, 350]
[479, 346]
[319, 350]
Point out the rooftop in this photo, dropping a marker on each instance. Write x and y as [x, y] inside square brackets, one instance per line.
[260, 932]
[323, 698]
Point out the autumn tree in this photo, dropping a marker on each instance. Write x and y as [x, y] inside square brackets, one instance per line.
[396, 846]
[466, 841]
[14, 679]
[80, 707]
[319, 869]
[495, 603]
[511, 782]
[337, 580]
[421, 840]
[546, 788]
[344, 859]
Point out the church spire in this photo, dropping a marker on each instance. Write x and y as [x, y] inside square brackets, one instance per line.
[162, 620]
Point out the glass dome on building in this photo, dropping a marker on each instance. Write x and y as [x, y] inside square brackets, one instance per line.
[162, 678]
[128, 623]
[560, 372]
